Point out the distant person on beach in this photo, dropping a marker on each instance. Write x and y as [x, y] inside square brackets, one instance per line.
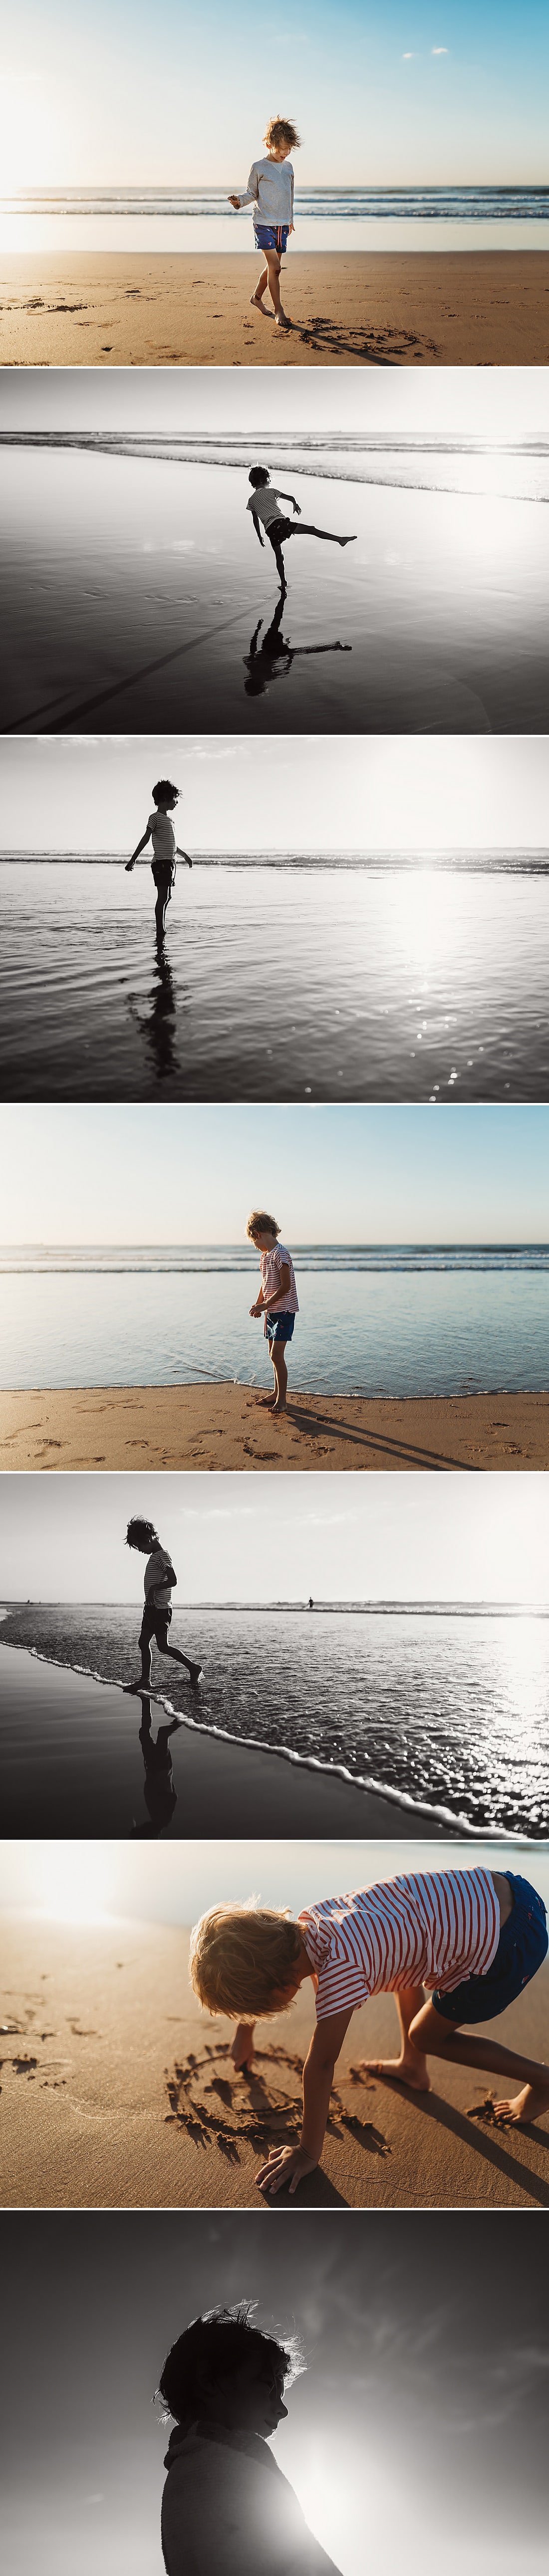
[270, 191]
[159, 1582]
[227, 2509]
[165, 850]
[266, 514]
[277, 1300]
[472, 1938]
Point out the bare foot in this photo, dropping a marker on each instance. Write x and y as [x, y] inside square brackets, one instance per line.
[347, 541]
[139, 1690]
[260, 306]
[266, 1403]
[277, 1408]
[282, 320]
[406, 2070]
[525, 2106]
[194, 1674]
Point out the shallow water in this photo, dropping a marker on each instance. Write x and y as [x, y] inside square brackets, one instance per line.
[135, 590]
[312, 983]
[395, 1331]
[447, 1713]
[327, 219]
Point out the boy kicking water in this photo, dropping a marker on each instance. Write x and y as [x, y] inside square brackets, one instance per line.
[472, 1938]
[277, 1300]
[165, 850]
[158, 1583]
[266, 513]
[271, 191]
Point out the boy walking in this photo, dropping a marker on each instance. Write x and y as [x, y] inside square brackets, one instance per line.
[270, 191]
[165, 850]
[267, 515]
[158, 1583]
[277, 1300]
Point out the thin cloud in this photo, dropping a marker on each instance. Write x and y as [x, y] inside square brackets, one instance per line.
[440, 49]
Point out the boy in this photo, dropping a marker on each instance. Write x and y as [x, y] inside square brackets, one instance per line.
[277, 1300]
[473, 1938]
[158, 1583]
[161, 832]
[271, 189]
[264, 507]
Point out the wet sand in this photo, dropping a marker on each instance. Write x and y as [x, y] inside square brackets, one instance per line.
[116, 2090]
[71, 1765]
[224, 1427]
[348, 309]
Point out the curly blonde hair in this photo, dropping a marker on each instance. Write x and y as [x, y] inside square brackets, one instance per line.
[260, 1223]
[243, 1960]
[279, 130]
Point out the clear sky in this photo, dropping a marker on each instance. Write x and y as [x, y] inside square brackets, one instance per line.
[349, 1174]
[491, 403]
[173, 1883]
[392, 1538]
[425, 2345]
[417, 92]
[299, 793]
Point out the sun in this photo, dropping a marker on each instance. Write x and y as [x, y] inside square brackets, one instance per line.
[72, 1882]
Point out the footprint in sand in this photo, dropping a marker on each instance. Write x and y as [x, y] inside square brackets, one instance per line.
[260, 2106]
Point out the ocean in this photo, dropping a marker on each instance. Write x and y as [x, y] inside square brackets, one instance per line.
[328, 219]
[444, 1711]
[372, 977]
[376, 1320]
[136, 593]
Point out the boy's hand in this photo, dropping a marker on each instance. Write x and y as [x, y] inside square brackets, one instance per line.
[233, 201]
[284, 2165]
[291, 228]
[130, 863]
[297, 511]
[243, 2043]
[256, 1310]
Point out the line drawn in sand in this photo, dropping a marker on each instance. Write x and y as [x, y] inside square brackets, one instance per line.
[259, 2105]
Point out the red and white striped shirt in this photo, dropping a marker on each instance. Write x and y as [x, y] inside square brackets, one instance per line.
[426, 1930]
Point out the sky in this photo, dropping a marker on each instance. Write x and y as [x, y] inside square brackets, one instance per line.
[415, 93]
[74, 1173]
[174, 1883]
[426, 2352]
[298, 793]
[491, 402]
[393, 1538]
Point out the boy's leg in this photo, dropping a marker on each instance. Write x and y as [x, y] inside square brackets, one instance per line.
[177, 1658]
[160, 915]
[145, 1676]
[301, 528]
[411, 2066]
[280, 564]
[273, 267]
[280, 1377]
[440, 2038]
[261, 288]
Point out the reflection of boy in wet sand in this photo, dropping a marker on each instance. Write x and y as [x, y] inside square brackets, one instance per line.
[165, 849]
[270, 191]
[267, 515]
[158, 1583]
[472, 1938]
[277, 1300]
[268, 660]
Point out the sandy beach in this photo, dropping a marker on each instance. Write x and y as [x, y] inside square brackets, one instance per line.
[71, 1765]
[117, 2091]
[224, 1427]
[348, 308]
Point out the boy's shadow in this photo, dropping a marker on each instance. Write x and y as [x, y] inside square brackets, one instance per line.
[273, 657]
[159, 1790]
[158, 1026]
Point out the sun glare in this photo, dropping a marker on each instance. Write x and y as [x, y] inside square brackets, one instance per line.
[72, 1882]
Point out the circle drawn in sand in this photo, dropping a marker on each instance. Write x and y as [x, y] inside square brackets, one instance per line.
[218, 2106]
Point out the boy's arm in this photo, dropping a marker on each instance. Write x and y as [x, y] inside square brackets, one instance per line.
[243, 2043]
[257, 526]
[289, 2164]
[182, 854]
[250, 195]
[288, 496]
[141, 845]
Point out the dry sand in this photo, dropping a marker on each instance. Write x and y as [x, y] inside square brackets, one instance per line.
[116, 2090]
[348, 308]
[205, 1427]
[71, 1765]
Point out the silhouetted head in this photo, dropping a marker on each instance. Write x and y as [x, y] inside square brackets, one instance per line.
[224, 2368]
[143, 1535]
[258, 477]
[281, 138]
[165, 793]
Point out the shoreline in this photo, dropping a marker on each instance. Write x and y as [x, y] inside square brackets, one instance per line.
[118, 2092]
[191, 308]
[225, 1785]
[221, 1427]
